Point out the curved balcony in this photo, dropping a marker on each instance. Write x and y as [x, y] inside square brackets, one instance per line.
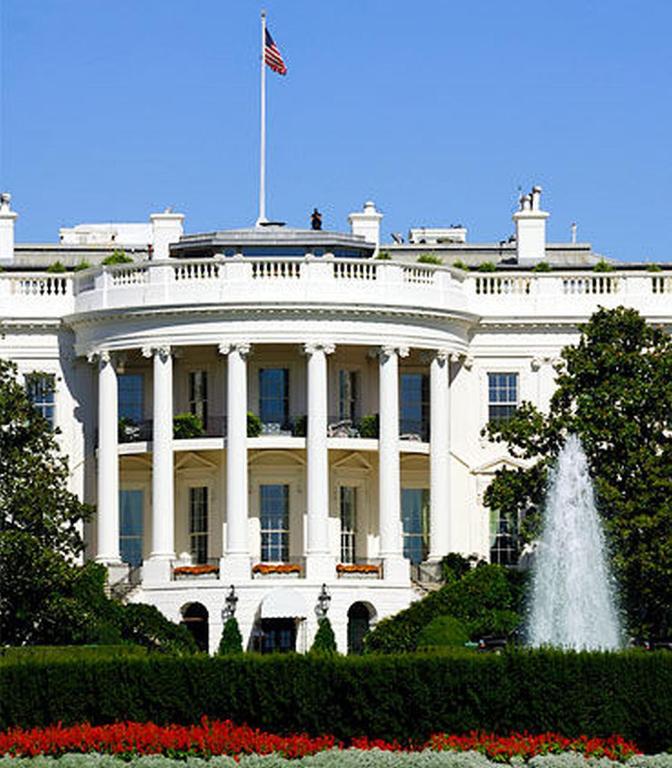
[243, 281]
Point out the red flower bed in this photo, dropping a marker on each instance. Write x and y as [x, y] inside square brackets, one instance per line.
[224, 738]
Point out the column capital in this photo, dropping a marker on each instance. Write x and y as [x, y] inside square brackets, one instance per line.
[328, 347]
[162, 350]
[441, 355]
[98, 355]
[387, 350]
[243, 348]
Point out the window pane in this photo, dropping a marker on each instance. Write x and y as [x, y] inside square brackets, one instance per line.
[131, 399]
[131, 508]
[274, 520]
[348, 394]
[414, 404]
[415, 523]
[502, 395]
[198, 394]
[274, 395]
[40, 388]
[348, 523]
[198, 524]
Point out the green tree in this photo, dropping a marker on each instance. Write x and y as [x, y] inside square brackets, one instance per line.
[232, 640]
[614, 390]
[34, 495]
[325, 640]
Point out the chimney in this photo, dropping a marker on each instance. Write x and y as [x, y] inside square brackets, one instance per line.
[166, 229]
[7, 219]
[367, 224]
[530, 229]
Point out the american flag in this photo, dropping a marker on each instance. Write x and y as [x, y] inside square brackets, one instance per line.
[273, 57]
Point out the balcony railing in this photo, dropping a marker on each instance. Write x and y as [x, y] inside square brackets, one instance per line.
[142, 431]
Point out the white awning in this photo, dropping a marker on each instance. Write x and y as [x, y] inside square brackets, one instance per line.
[283, 604]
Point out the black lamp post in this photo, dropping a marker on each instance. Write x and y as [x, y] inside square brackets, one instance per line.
[323, 601]
[229, 610]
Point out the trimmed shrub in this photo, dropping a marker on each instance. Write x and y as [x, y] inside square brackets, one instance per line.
[487, 600]
[56, 267]
[542, 266]
[117, 257]
[487, 266]
[81, 266]
[254, 425]
[232, 640]
[603, 266]
[383, 256]
[390, 697]
[369, 426]
[430, 258]
[443, 632]
[187, 425]
[325, 640]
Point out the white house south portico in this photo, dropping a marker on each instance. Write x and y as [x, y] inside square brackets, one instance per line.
[280, 412]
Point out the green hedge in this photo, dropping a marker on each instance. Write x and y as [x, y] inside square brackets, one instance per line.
[391, 697]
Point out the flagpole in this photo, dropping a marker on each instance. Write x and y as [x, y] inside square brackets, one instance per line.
[262, 158]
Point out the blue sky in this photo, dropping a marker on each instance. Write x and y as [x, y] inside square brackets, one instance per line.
[437, 110]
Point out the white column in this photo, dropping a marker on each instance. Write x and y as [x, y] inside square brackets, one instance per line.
[320, 564]
[439, 456]
[235, 565]
[395, 567]
[107, 544]
[158, 567]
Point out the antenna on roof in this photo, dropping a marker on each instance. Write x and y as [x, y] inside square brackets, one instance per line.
[398, 238]
[573, 232]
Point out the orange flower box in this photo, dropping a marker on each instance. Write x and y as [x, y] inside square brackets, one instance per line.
[358, 569]
[276, 569]
[185, 571]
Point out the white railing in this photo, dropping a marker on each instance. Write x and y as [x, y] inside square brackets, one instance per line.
[199, 270]
[133, 275]
[423, 275]
[350, 270]
[593, 284]
[40, 285]
[274, 270]
[661, 284]
[488, 285]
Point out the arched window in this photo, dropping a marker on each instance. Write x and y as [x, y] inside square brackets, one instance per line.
[195, 619]
[359, 622]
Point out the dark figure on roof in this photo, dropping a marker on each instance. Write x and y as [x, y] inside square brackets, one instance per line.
[315, 219]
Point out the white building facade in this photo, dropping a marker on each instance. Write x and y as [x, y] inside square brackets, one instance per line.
[277, 415]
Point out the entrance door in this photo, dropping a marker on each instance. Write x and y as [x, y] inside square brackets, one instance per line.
[358, 625]
[195, 619]
[278, 635]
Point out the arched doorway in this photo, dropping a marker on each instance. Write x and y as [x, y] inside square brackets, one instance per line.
[195, 619]
[359, 623]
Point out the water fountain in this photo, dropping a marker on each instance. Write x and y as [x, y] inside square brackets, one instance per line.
[573, 604]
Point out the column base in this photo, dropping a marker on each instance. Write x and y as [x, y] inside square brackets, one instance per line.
[116, 570]
[320, 568]
[235, 568]
[157, 569]
[397, 569]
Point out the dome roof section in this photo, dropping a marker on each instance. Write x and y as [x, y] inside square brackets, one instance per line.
[272, 240]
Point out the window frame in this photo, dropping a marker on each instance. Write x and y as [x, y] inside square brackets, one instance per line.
[348, 539]
[285, 399]
[409, 425]
[202, 536]
[135, 536]
[271, 552]
[45, 407]
[506, 407]
[424, 533]
[198, 403]
[127, 376]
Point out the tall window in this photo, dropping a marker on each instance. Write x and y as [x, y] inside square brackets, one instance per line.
[274, 396]
[348, 395]
[502, 395]
[40, 388]
[414, 405]
[131, 396]
[503, 539]
[131, 507]
[198, 395]
[198, 524]
[415, 522]
[274, 514]
[348, 523]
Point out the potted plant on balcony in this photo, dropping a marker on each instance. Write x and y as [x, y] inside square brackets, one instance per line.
[254, 425]
[187, 425]
[276, 570]
[358, 571]
[129, 430]
[369, 426]
[300, 426]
